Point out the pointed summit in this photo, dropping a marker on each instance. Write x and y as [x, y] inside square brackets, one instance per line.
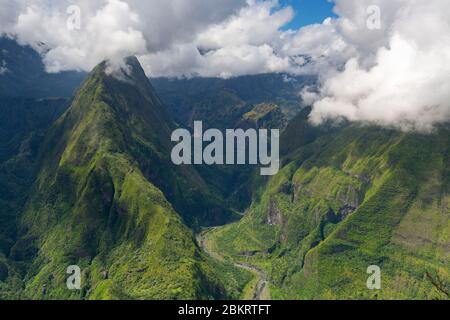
[127, 70]
[118, 101]
[107, 189]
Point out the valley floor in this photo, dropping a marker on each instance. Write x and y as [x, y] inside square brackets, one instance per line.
[258, 288]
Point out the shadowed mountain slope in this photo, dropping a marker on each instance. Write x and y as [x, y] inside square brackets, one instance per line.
[22, 74]
[348, 198]
[100, 201]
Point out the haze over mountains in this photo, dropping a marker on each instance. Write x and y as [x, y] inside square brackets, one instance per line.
[87, 180]
[24, 74]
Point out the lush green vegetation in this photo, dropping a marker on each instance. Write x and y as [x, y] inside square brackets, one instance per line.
[23, 126]
[345, 200]
[97, 203]
[93, 185]
[222, 103]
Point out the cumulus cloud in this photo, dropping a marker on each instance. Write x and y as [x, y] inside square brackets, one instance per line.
[318, 49]
[253, 41]
[79, 34]
[79, 39]
[394, 74]
[247, 42]
[400, 76]
[221, 38]
[174, 37]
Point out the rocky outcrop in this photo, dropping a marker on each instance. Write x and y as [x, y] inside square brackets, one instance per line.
[274, 216]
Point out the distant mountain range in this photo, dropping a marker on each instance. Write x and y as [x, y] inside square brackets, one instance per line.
[222, 103]
[87, 180]
[23, 74]
[97, 202]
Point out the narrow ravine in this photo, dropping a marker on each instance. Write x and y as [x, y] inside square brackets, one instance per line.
[262, 290]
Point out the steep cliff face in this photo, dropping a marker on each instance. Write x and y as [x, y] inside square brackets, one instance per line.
[23, 126]
[89, 182]
[98, 201]
[348, 198]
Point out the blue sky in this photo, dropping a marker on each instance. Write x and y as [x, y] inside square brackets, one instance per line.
[308, 12]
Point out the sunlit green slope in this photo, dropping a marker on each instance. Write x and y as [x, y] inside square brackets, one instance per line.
[98, 202]
[348, 198]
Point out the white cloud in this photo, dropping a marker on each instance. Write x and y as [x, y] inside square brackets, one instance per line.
[404, 80]
[247, 42]
[108, 28]
[255, 25]
[397, 75]
[224, 62]
[173, 37]
[319, 48]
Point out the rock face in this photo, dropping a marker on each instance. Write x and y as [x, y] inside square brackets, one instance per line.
[350, 197]
[345, 211]
[274, 215]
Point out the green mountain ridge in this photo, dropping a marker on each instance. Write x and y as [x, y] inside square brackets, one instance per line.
[89, 182]
[23, 127]
[348, 198]
[96, 204]
[222, 103]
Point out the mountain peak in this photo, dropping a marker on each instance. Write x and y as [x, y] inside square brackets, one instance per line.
[127, 69]
[126, 78]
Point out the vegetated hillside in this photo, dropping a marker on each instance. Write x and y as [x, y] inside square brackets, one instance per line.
[22, 74]
[222, 103]
[257, 101]
[21, 119]
[23, 126]
[348, 198]
[263, 116]
[108, 198]
[101, 201]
